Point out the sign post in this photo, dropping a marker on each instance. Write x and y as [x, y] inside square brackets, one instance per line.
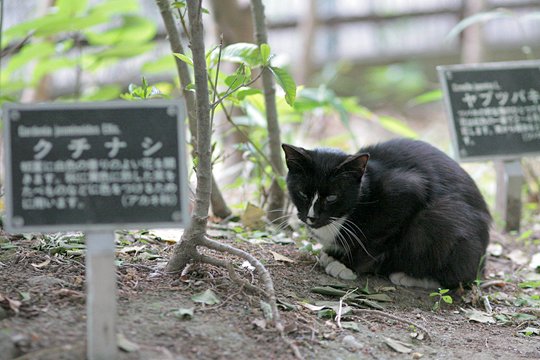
[101, 296]
[96, 167]
[495, 113]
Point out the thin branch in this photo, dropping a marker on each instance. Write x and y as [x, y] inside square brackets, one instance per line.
[183, 23]
[231, 91]
[390, 316]
[217, 78]
[267, 284]
[232, 274]
[242, 132]
[263, 273]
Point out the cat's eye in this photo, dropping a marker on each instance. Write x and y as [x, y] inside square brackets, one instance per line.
[302, 195]
[331, 198]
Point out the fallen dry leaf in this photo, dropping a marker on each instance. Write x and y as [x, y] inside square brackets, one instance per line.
[279, 257]
[41, 265]
[70, 293]
[125, 344]
[260, 323]
[132, 249]
[397, 345]
[252, 217]
[478, 316]
[13, 304]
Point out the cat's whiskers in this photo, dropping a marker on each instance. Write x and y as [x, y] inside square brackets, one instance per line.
[352, 234]
[339, 237]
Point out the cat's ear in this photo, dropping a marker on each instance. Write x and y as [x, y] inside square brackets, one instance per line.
[355, 163]
[296, 157]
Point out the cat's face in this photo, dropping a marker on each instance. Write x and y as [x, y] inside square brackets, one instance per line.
[324, 184]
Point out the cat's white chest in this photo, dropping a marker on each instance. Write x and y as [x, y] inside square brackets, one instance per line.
[327, 235]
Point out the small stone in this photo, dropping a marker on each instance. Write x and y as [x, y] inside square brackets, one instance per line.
[417, 355]
[351, 343]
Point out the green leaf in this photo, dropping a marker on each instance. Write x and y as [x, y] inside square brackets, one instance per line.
[184, 58]
[245, 53]
[7, 246]
[352, 106]
[447, 299]
[70, 7]
[265, 53]
[529, 284]
[61, 23]
[112, 7]
[443, 291]
[124, 51]
[428, 97]
[523, 317]
[104, 93]
[379, 297]
[326, 314]
[25, 296]
[207, 297]
[397, 126]
[529, 331]
[133, 30]
[286, 82]
[236, 80]
[243, 92]
[179, 4]
[28, 53]
[478, 18]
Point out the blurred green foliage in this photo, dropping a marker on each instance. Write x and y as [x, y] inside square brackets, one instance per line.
[112, 30]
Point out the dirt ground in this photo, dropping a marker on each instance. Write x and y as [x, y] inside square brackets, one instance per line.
[42, 300]
[43, 314]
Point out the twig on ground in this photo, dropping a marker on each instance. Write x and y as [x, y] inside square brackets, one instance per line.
[264, 276]
[263, 273]
[338, 316]
[390, 316]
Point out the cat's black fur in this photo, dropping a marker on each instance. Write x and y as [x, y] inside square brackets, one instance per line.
[410, 209]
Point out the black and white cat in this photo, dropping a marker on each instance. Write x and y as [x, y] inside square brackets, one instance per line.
[410, 212]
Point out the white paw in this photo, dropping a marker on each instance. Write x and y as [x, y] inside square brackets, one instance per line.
[400, 278]
[335, 268]
[325, 259]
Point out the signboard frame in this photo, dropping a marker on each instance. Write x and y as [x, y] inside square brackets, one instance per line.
[447, 70]
[174, 108]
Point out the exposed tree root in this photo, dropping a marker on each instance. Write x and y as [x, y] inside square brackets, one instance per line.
[267, 283]
[390, 316]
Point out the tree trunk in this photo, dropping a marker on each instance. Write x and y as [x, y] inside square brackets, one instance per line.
[276, 200]
[472, 40]
[308, 27]
[219, 206]
[199, 116]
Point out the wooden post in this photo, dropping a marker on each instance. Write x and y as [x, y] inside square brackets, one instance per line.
[101, 296]
[508, 194]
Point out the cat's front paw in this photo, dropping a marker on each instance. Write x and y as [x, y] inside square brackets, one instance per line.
[400, 278]
[335, 268]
